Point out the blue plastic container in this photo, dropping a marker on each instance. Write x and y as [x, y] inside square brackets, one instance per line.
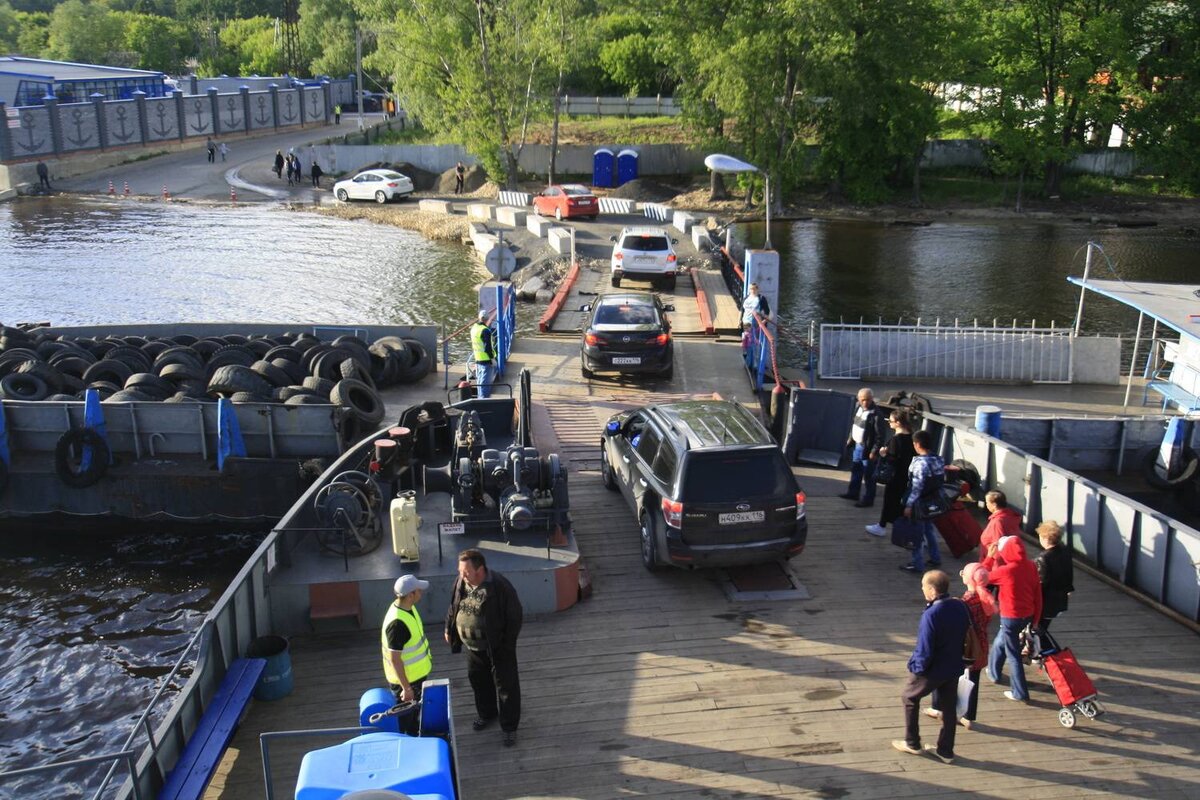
[987, 420]
[602, 167]
[627, 166]
[276, 680]
[376, 701]
[390, 761]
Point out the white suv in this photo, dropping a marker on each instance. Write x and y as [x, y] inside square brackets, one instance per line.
[644, 252]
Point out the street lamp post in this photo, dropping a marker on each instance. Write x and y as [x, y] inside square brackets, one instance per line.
[718, 162]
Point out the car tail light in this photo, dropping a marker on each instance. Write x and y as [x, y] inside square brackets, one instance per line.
[662, 339]
[672, 513]
[671, 259]
[619, 256]
[801, 498]
[593, 340]
[393, 185]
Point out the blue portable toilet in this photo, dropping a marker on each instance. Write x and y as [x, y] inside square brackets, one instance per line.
[602, 167]
[627, 166]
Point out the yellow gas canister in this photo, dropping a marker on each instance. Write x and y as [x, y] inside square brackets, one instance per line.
[405, 522]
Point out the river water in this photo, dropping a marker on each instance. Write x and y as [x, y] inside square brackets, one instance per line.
[89, 624]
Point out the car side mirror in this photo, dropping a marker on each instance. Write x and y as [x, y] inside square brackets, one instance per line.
[668, 308]
[674, 241]
[585, 307]
[612, 239]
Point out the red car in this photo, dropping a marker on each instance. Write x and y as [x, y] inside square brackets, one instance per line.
[566, 201]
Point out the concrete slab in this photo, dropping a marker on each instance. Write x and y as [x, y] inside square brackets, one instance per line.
[560, 240]
[617, 205]
[700, 239]
[510, 215]
[683, 221]
[538, 225]
[481, 211]
[436, 206]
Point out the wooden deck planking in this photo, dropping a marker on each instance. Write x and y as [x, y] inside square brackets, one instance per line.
[725, 312]
[658, 685]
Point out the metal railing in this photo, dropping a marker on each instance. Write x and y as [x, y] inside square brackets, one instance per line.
[505, 318]
[946, 352]
[1137, 546]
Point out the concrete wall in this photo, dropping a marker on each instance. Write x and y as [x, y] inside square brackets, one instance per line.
[1097, 360]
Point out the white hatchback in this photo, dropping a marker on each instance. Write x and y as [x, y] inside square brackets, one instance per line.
[380, 185]
[644, 252]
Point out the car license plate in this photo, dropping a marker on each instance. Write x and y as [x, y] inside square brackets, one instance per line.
[626, 360]
[740, 517]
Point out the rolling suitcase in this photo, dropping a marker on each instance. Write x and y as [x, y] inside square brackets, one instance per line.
[1075, 690]
[959, 529]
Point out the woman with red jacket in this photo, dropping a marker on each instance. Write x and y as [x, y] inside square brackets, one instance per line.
[1020, 604]
[1002, 521]
[982, 606]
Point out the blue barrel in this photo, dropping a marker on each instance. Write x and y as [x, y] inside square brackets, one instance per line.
[987, 420]
[276, 680]
[376, 701]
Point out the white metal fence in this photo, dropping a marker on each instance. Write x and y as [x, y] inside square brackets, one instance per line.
[658, 106]
[1037, 355]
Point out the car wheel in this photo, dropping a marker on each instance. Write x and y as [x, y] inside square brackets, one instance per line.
[616, 281]
[606, 470]
[668, 373]
[649, 543]
[558, 214]
[593, 217]
[669, 283]
[341, 195]
[584, 371]
[381, 197]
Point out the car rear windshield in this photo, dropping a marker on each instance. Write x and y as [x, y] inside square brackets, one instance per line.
[646, 244]
[625, 315]
[576, 191]
[393, 176]
[734, 476]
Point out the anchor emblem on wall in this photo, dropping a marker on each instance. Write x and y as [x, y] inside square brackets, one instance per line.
[289, 115]
[77, 120]
[262, 118]
[122, 135]
[231, 104]
[28, 122]
[201, 124]
[313, 97]
[163, 129]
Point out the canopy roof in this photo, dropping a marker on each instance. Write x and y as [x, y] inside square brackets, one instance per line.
[1176, 305]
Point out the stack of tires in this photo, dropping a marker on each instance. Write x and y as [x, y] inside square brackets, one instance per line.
[292, 369]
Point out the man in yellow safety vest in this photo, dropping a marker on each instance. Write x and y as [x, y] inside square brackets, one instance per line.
[406, 658]
[484, 350]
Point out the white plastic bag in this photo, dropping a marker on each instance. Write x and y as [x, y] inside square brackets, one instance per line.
[965, 687]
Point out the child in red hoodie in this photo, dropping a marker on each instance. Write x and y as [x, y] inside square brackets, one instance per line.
[1020, 604]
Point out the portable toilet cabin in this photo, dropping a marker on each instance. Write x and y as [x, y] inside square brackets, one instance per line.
[627, 166]
[602, 167]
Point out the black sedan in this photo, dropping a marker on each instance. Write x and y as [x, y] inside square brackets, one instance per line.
[627, 332]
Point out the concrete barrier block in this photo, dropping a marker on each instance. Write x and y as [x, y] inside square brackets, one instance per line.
[515, 198]
[509, 215]
[476, 227]
[560, 240]
[538, 225]
[617, 205]
[483, 242]
[700, 239]
[682, 221]
[481, 211]
[436, 206]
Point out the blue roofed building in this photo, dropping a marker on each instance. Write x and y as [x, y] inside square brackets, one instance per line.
[27, 81]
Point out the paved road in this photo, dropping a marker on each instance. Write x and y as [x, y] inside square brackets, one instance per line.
[188, 175]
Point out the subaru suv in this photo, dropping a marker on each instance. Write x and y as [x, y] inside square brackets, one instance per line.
[708, 484]
[644, 252]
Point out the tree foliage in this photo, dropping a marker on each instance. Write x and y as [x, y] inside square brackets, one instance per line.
[88, 32]
[327, 36]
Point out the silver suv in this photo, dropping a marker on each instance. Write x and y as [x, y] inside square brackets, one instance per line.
[644, 252]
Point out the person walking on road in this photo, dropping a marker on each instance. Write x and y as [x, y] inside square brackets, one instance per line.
[212, 150]
[279, 164]
[337, 114]
[866, 437]
[298, 170]
[317, 172]
[291, 170]
[406, 658]
[898, 455]
[460, 173]
[1020, 604]
[935, 665]
[485, 616]
[43, 173]
[1056, 570]
[926, 475]
[224, 148]
[982, 606]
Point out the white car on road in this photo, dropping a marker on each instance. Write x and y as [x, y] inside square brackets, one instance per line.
[380, 185]
[644, 252]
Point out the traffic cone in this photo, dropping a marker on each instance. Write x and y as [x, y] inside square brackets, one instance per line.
[127, 188]
[111, 189]
[232, 195]
[165, 194]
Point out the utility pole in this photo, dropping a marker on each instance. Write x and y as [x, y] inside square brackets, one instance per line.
[362, 125]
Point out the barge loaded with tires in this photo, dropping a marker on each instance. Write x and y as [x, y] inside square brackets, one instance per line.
[189, 422]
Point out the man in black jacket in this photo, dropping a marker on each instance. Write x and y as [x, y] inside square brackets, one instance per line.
[485, 616]
[867, 435]
[1056, 570]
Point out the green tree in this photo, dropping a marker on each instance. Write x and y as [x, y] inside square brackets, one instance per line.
[159, 43]
[327, 36]
[250, 47]
[10, 28]
[33, 33]
[86, 32]
[632, 54]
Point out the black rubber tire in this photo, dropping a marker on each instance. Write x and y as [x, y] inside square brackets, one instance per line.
[668, 373]
[108, 369]
[381, 197]
[63, 461]
[247, 397]
[135, 341]
[236, 338]
[359, 398]
[56, 398]
[606, 471]
[206, 348]
[103, 388]
[154, 348]
[234, 378]
[47, 373]
[185, 339]
[23, 386]
[195, 388]
[178, 355]
[584, 371]
[130, 396]
[322, 386]
[71, 384]
[260, 347]
[306, 400]
[272, 373]
[616, 282]
[312, 354]
[350, 368]
[341, 195]
[421, 366]
[230, 355]
[285, 393]
[283, 351]
[290, 368]
[648, 548]
[150, 384]
[668, 284]
[176, 373]
[72, 365]
[181, 397]
[132, 357]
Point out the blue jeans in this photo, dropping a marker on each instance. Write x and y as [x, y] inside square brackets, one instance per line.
[927, 539]
[485, 373]
[1007, 646]
[862, 470]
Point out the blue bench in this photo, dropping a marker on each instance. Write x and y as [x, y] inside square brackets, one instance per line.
[1172, 393]
[200, 758]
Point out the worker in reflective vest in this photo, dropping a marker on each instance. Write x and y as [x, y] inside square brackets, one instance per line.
[406, 658]
[485, 354]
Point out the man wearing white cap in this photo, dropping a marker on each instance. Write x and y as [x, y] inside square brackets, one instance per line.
[483, 349]
[406, 658]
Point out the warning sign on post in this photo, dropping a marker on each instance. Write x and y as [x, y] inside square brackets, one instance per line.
[14, 117]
